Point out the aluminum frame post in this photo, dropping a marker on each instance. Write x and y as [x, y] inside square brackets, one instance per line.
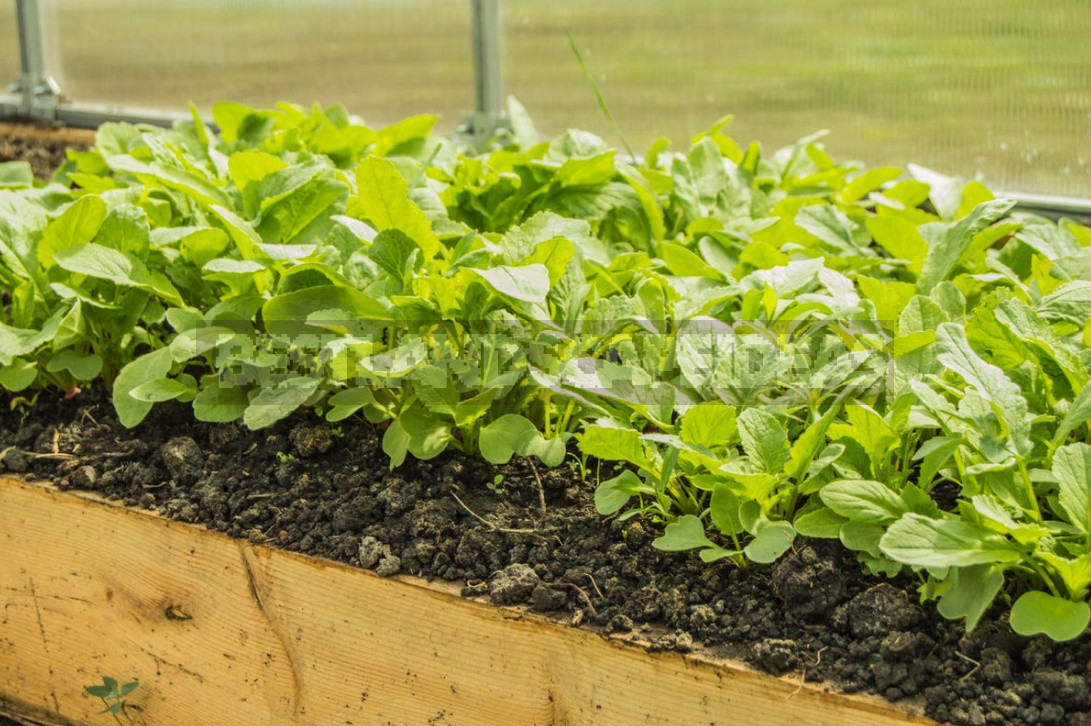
[488, 85]
[39, 91]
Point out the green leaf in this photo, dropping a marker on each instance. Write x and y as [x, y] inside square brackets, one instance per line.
[686, 534]
[1039, 612]
[396, 443]
[428, 434]
[613, 444]
[771, 541]
[927, 542]
[971, 591]
[1072, 467]
[395, 252]
[512, 434]
[220, 404]
[944, 256]
[383, 199]
[76, 226]
[830, 225]
[1070, 303]
[861, 500]
[162, 389]
[989, 380]
[821, 523]
[724, 510]
[279, 401]
[868, 181]
[82, 367]
[528, 283]
[613, 494]
[149, 367]
[105, 264]
[709, 424]
[1078, 414]
[18, 375]
[764, 439]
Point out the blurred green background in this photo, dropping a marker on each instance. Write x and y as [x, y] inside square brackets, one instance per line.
[995, 88]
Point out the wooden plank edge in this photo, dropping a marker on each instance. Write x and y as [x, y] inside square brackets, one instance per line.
[39, 132]
[269, 580]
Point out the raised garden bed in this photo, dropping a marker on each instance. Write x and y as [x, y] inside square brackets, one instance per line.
[317, 336]
[213, 625]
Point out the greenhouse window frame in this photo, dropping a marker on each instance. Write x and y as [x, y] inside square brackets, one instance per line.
[36, 95]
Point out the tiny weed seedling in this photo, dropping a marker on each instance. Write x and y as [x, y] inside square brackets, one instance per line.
[112, 695]
[496, 486]
[284, 458]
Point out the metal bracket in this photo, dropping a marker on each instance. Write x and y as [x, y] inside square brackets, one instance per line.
[38, 90]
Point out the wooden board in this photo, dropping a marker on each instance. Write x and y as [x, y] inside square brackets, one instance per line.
[220, 631]
[42, 132]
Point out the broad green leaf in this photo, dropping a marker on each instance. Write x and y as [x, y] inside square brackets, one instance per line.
[944, 256]
[220, 404]
[686, 534]
[989, 380]
[1039, 612]
[1070, 303]
[764, 439]
[161, 389]
[1072, 468]
[1078, 414]
[822, 523]
[148, 367]
[927, 542]
[900, 238]
[830, 225]
[277, 402]
[868, 181]
[971, 592]
[709, 424]
[383, 199]
[512, 434]
[861, 500]
[613, 494]
[76, 226]
[889, 296]
[613, 444]
[528, 283]
[428, 434]
[18, 375]
[771, 541]
[104, 263]
[82, 367]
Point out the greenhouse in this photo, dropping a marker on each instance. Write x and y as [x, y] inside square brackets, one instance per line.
[511, 362]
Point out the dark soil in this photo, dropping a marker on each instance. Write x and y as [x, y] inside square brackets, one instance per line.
[41, 144]
[306, 486]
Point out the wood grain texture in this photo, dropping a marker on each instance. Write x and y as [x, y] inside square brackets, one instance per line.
[219, 631]
[41, 132]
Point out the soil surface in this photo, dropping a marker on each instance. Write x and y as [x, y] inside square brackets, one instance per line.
[41, 144]
[535, 539]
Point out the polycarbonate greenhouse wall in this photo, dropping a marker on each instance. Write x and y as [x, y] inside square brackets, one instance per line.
[995, 88]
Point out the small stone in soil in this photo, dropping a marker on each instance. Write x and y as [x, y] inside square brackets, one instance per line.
[777, 655]
[183, 459]
[84, 477]
[389, 565]
[15, 461]
[371, 550]
[546, 598]
[513, 584]
[621, 623]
